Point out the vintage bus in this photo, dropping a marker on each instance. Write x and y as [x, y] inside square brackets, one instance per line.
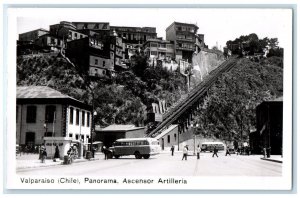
[139, 147]
[209, 146]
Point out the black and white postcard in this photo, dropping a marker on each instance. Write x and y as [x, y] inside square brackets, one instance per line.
[153, 98]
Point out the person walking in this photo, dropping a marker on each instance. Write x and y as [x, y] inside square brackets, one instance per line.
[198, 151]
[44, 154]
[172, 150]
[215, 152]
[265, 152]
[105, 151]
[227, 151]
[56, 154]
[185, 152]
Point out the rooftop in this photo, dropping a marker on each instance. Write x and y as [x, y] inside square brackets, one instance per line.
[173, 126]
[39, 92]
[46, 95]
[180, 23]
[120, 127]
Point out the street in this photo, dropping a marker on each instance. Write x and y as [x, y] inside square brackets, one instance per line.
[166, 165]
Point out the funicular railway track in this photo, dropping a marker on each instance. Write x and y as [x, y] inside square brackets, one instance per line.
[193, 96]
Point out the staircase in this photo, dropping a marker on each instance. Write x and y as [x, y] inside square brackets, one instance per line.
[192, 97]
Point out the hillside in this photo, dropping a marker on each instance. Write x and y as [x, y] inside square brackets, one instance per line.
[229, 109]
[122, 99]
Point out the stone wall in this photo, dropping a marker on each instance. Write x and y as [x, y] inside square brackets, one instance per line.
[203, 63]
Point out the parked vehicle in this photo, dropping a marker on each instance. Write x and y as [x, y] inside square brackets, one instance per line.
[209, 146]
[139, 147]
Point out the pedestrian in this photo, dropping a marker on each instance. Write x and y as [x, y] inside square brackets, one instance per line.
[42, 148]
[75, 151]
[227, 151]
[215, 152]
[198, 151]
[93, 151]
[247, 150]
[56, 154]
[105, 151]
[172, 149]
[265, 152]
[44, 154]
[185, 152]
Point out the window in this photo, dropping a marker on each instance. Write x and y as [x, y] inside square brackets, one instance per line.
[163, 45]
[31, 114]
[87, 137]
[77, 116]
[96, 61]
[88, 119]
[168, 138]
[50, 114]
[153, 45]
[71, 115]
[82, 137]
[75, 35]
[103, 63]
[175, 136]
[70, 135]
[154, 53]
[83, 118]
[48, 134]
[76, 137]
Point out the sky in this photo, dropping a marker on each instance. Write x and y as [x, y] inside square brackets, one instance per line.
[218, 25]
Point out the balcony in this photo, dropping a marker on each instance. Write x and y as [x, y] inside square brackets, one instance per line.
[192, 40]
[185, 49]
[162, 49]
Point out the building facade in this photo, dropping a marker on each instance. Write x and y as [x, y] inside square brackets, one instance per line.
[158, 49]
[113, 132]
[66, 31]
[49, 42]
[44, 112]
[134, 35]
[269, 115]
[32, 35]
[92, 55]
[184, 37]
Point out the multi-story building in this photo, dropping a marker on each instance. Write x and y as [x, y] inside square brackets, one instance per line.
[44, 112]
[32, 35]
[159, 49]
[134, 35]
[92, 55]
[184, 37]
[49, 42]
[92, 25]
[66, 31]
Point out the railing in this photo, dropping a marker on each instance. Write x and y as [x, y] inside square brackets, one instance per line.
[188, 100]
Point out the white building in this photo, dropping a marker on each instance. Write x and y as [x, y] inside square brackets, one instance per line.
[44, 113]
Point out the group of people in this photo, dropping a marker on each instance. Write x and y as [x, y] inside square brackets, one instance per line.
[198, 150]
[185, 151]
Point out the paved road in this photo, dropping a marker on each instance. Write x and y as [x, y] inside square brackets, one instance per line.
[166, 165]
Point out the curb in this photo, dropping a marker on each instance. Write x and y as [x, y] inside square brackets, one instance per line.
[271, 160]
[48, 165]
